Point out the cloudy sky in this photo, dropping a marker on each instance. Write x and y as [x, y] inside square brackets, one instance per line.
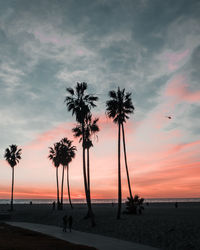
[150, 48]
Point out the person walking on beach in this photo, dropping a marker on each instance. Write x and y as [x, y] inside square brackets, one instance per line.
[54, 205]
[70, 223]
[65, 223]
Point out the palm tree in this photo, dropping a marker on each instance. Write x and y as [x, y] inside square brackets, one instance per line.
[80, 104]
[67, 153]
[12, 156]
[91, 128]
[119, 107]
[54, 156]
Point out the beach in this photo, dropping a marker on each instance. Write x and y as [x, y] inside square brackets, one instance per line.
[16, 238]
[161, 225]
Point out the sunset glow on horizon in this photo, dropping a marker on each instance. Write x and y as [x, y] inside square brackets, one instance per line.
[44, 49]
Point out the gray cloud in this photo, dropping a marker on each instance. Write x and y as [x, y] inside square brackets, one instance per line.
[48, 45]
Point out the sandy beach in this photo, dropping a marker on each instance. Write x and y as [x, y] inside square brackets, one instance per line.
[161, 225]
[23, 239]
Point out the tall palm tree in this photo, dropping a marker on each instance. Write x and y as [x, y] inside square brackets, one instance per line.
[119, 107]
[12, 156]
[90, 128]
[54, 157]
[80, 105]
[67, 153]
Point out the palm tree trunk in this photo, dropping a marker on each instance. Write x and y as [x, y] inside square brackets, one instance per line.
[84, 168]
[90, 212]
[88, 183]
[58, 200]
[70, 202]
[88, 170]
[124, 144]
[62, 188]
[11, 204]
[85, 175]
[119, 175]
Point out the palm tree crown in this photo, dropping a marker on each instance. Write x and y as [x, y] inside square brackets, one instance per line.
[54, 157]
[54, 154]
[79, 103]
[90, 128]
[119, 106]
[66, 151]
[12, 155]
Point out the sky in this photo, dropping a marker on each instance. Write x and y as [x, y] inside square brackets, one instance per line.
[150, 48]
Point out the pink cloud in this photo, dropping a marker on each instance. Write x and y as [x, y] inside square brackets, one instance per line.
[159, 165]
[179, 88]
[184, 145]
[177, 180]
[53, 135]
[109, 129]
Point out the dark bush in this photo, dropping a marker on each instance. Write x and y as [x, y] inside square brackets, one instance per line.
[134, 205]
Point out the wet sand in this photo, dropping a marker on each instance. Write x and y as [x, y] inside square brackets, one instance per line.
[161, 225]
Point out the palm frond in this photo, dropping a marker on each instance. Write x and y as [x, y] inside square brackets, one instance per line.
[112, 94]
[119, 106]
[80, 103]
[12, 155]
[77, 131]
[66, 151]
[70, 90]
[54, 154]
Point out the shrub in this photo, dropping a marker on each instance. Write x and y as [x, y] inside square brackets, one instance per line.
[134, 205]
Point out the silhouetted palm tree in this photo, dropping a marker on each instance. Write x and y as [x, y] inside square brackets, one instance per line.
[90, 128]
[134, 205]
[54, 156]
[80, 104]
[12, 156]
[67, 153]
[119, 107]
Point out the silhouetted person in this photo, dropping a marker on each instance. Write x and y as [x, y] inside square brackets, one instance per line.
[54, 205]
[58, 205]
[70, 223]
[31, 203]
[65, 223]
[112, 204]
[176, 204]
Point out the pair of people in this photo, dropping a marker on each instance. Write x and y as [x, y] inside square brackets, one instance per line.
[65, 221]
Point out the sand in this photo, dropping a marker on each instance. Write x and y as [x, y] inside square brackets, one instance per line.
[14, 238]
[160, 225]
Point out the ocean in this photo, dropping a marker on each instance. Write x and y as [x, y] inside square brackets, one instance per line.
[97, 201]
